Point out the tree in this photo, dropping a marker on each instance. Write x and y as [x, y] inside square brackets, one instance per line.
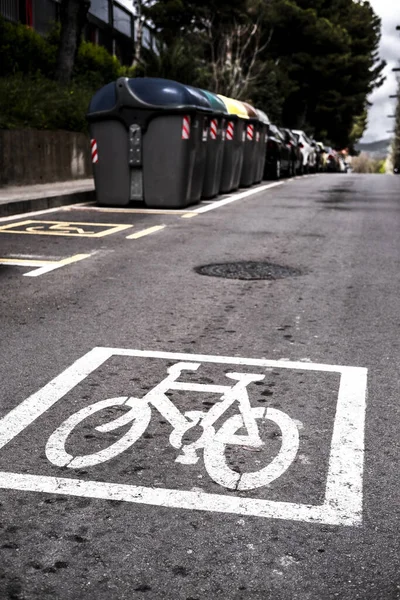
[310, 64]
[73, 14]
[328, 63]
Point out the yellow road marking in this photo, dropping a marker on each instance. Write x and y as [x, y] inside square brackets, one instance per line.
[63, 228]
[22, 262]
[134, 211]
[189, 215]
[144, 232]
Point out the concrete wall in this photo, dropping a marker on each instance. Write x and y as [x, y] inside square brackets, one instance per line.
[30, 156]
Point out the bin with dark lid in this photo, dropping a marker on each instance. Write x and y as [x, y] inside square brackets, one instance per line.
[151, 138]
[251, 148]
[262, 144]
[215, 146]
[234, 144]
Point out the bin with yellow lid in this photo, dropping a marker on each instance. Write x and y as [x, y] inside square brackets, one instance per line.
[234, 144]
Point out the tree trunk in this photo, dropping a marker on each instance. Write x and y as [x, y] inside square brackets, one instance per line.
[73, 17]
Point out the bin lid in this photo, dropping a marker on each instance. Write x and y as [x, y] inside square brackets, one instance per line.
[104, 99]
[234, 107]
[251, 111]
[262, 116]
[216, 103]
[158, 92]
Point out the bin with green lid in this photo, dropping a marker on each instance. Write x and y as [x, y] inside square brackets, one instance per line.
[251, 148]
[234, 143]
[150, 137]
[215, 145]
[262, 144]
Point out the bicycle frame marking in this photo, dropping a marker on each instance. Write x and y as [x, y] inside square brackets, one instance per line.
[343, 495]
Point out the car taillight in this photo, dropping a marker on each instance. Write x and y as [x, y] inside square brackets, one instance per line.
[301, 145]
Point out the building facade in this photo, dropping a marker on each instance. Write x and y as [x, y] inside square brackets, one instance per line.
[110, 23]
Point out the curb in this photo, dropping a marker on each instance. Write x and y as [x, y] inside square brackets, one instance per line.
[16, 207]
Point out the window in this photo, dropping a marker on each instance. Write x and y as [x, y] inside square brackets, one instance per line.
[100, 9]
[146, 38]
[9, 9]
[122, 21]
[45, 13]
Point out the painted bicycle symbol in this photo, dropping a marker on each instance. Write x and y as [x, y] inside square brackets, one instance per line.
[213, 442]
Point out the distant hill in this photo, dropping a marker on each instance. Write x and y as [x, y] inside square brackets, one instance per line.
[379, 149]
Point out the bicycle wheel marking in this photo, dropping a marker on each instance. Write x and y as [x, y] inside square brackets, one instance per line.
[219, 430]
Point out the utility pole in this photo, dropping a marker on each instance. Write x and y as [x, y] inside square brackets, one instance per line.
[396, 141]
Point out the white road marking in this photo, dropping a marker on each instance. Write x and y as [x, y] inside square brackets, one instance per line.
[143, 232]
[343, 499]
[238, 196]
[43, 265]
[58, 265]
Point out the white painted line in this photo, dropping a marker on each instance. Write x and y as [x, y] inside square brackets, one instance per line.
[325, 513]
[239, 196]
[150, 230]
[58, 265]
[343, 498]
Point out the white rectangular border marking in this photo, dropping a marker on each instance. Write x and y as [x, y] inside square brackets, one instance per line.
[343, 499]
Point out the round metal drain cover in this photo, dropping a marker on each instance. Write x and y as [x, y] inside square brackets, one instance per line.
[249, 270]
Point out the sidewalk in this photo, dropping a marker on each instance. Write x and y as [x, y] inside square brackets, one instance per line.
[20, 199]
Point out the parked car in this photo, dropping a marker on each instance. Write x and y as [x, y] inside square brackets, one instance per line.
[320, 157]
[332, 161]
[308, 152]
[278, 154]
[295, 152]
[342, 164]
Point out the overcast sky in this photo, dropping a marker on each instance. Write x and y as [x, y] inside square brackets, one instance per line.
[378, 122]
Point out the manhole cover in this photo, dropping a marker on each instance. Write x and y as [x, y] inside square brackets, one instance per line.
[249, 270]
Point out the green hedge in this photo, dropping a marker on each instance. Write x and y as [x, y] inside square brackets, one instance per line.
[22, 50]
[40, 103]
[29, 96]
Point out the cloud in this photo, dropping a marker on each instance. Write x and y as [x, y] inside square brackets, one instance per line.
[378, 121]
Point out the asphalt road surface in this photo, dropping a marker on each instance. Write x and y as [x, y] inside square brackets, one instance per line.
[184, 410]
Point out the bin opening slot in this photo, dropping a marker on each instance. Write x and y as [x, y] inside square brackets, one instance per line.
[136, 187]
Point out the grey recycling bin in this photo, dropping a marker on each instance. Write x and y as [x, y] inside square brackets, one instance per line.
[150, 138]
[251, 148]
[215, 146]
[234, 144]
[262, 144]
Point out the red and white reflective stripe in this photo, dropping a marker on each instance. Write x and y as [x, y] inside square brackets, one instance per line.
[213, 129]
[95, 154]
[250, 132]
[230, 129]
[186, 128]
